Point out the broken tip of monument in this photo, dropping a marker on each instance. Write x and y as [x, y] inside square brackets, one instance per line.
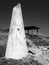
[18, 6]
[16, 44]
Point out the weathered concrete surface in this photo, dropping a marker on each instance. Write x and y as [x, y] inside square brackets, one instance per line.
[16, 45]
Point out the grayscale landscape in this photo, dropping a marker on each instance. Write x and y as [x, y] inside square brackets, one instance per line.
[38, 50]
[24, 32]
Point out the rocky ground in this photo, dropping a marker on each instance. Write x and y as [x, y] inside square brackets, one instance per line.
[38, 51]
[25, 61]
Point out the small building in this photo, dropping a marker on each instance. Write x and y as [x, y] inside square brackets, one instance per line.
[31, 28]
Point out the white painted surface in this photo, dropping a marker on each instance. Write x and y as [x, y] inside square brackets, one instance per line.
[16, 45]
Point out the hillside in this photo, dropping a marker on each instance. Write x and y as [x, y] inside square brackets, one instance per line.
[38, 48]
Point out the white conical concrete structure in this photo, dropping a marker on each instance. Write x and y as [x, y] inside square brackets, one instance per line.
[16, 45]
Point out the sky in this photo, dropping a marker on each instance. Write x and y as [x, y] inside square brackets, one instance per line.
[35, 13]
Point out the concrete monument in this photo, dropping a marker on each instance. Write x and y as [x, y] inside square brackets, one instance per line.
[16, 44]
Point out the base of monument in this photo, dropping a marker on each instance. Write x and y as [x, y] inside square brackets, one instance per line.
[25, 61]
